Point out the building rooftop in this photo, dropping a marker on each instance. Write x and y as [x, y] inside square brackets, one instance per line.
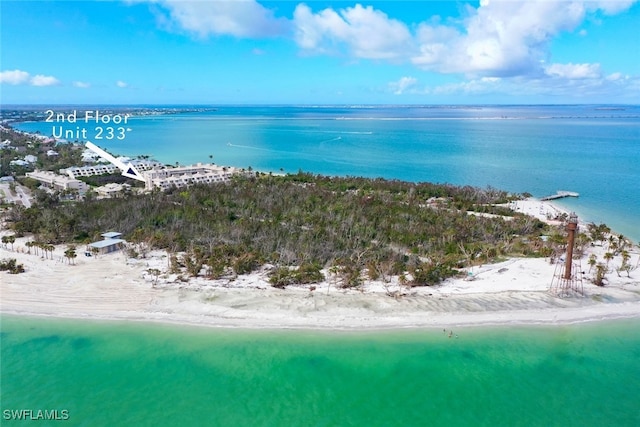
[111, 235]
[106, 242]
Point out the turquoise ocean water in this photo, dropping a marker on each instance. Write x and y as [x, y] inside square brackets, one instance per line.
[126, 374]
[592, 150]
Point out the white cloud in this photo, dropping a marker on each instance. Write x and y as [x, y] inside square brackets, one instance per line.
[14, 77]
[239, 18]
[508, 39]
[121, 84]
[496, 39]
[41, 80]
[503, 38]
[497, 45]
[19, 77]
[401, 86]
[615, 76]
[611, 7]
[574, 71]
[81, 85]
[364, 31]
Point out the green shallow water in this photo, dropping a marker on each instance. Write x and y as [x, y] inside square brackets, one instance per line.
[126, 373]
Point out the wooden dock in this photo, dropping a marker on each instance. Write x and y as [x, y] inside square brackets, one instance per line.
[561, 195]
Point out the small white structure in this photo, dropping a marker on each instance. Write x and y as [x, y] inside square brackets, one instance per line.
[19, 163]
[111, 242]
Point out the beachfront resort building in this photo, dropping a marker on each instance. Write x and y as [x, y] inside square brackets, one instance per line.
[187, 175]
[109, 168]
[111, 242]
[58, 182]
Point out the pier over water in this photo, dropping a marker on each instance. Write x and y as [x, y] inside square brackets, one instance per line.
[561, 195]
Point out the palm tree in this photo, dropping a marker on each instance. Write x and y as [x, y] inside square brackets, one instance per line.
[41, 245]
[625, 255]
[622, 242]
[50, 249]
[592, 261]
[70, 253]
[608, 256]
[599, 278]
[11, 239]
[625, 266]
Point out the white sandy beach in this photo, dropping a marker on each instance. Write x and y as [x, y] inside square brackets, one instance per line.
[116, 287]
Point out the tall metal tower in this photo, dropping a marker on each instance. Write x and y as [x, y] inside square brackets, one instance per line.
[567, 278]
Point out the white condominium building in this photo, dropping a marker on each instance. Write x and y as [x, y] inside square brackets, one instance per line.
[58, 182]
[109, 168]
[187, 175]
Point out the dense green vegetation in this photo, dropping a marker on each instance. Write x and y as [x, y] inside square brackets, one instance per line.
[356, 226]
[108, 178]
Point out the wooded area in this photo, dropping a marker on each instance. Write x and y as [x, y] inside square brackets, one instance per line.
[357, 226]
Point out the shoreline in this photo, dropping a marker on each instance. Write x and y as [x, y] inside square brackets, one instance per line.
[114, 287]
[631, 312]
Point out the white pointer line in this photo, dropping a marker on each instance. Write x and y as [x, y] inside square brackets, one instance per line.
[127, 170]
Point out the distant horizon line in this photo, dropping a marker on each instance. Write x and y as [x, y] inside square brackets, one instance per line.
[319, 105]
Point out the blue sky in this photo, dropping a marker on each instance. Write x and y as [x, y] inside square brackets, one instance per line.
[319, 52]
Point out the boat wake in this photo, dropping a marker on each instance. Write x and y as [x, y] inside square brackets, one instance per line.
[248, 146]
[337, 138]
